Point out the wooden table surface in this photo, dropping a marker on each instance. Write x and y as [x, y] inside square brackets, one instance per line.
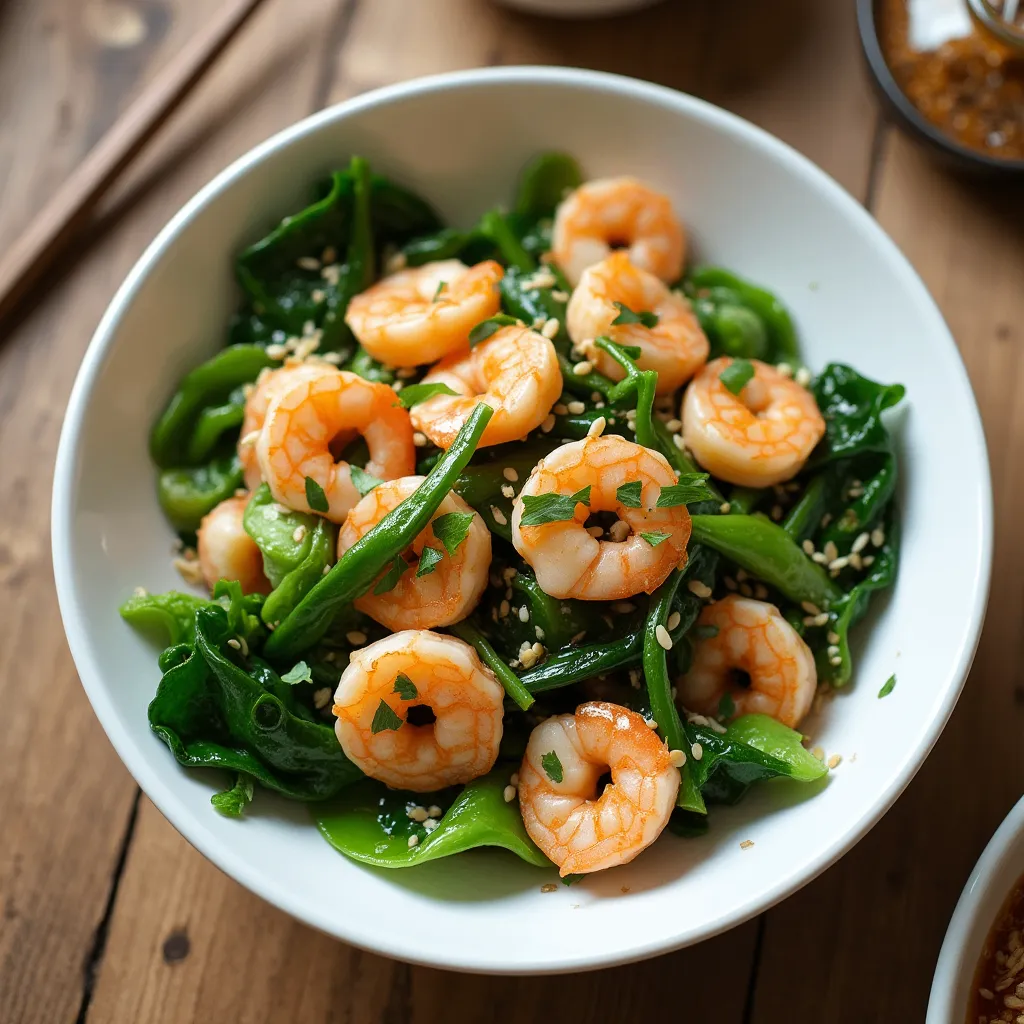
[107, 913]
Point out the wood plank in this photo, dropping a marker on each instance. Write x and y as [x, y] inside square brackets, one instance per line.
[881, 914]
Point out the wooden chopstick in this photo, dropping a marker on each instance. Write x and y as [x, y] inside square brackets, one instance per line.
[68, 212]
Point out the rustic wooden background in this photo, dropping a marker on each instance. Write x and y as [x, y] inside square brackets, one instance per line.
[107, 914]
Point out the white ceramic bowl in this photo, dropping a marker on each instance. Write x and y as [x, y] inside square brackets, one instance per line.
[752, 204]
[998, 870]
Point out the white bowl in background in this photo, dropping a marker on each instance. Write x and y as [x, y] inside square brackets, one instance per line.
[751, 203]
[997, 872]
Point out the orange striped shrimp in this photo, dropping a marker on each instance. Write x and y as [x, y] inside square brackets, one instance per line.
[515, 371]
[566, 756]
[611, 212]
[443, 596]
[425, 313]
[303, 422]
[675, 347]
[226, 551]
[758, 438]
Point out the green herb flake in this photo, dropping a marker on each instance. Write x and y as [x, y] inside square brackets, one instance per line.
[627, 316]
[552, 766]
[691, 488]
[441, 285]
[486, 328]
[736, 375]
[405, 688]
[888, 687]
[362, 481]
[629, 494]
[429, 557]
[538, 510]
[384, 719]
[451, 529]
[233, 802]
[390, 579]
[726, 706]
[315, 497]
[655, 537]
[299, 673]
[413, 394]
[572, 879]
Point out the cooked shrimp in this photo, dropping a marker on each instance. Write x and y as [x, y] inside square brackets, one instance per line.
[760, 437]
[425, 313]
[227, 552]
[269, 385]
[304, 421]
[445, 595]
[447, 702]
[753, 638]
[515, 371]
[573, 826]
[676, 346]
[611, 212]
[568, 560]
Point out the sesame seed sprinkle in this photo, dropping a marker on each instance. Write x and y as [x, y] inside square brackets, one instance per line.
[746, 844]
[699, 589]
[510, 474]
[575, 407]
[674, 620]
[697, 750]
[725, 508]
[524, 614]
[356, 637]
[808, 547]
[235, 644]
[834, 761]
[414, 840]
[663, 638]
[509, 794]
[499, 516]
[508, 491]
[597, 427]
[677, 758]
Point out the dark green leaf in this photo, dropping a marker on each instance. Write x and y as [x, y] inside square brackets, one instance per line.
[543, 184]
[429, 558]
[655, 537]
[552, 508]
[405, 688]
[852, 406]
[691, 488]
[736, 375]
[315, 497]
[299, 673]
[552, 766]
[629, 494]
[451, 529]
[390, 579]
[384, 719]
[627, 316]
[888, 686]
[413, 394]
[486, 328]
[572, 879]
[362, 481]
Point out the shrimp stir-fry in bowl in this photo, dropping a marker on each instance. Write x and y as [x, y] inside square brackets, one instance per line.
[524, 533]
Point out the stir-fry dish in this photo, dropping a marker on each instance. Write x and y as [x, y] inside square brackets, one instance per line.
[522, 536]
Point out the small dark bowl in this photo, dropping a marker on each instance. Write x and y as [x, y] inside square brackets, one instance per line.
[910, 119]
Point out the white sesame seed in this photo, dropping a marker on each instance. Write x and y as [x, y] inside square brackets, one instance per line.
[832, 650]
[356, 637]
[836, 565]
[397, 385]
[677, 758]
[499, 516]
[855, 560]
[514, 779]
[623, 607]
[878, 536]
[746, 844]
[413, 841]
[674, 620]
[860, 543]
[538, 632]
[551, 328]
[559, 296]
[299, 534]
[650, 723]
[509, 793]
[140, 592]
[663, 638]
[821, 619]
[235, 644]
[674, 426]
[832, 636]
[725, 508]
[503, 609]
[575, 407]
[677, 440]
[826, 519]
[830, 551]
[698, 589]
[836, 661]
[802, 376]
[549, 424]
[510, 474]
[618, 531]
[867, 560]
[527, 658]
[808, 547]
[777, 513]
[811, 609]
[322, 697]
[597, 427]
[561, 409]
[820, 558]
[597, 532]
[834, 760]
[327, 569]
[430, 824]
[308, 263]
[417, 812]
[785, 369]
[698, 751]
[524, 614]
[508, 491]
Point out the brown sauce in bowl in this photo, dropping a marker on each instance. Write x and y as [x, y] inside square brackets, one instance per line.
[971, 89]
[998, 992]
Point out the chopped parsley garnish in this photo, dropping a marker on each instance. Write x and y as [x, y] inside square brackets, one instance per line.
[405, 688]
[441, 285]
[315, 497]
[362, 481]
[486, 328]
[429, 557]
[541, 509]
[888, 687]
[627, 316]
[691, 488]
[552, 766]
[736, 375]
[384, 718]
[390, 579]
[629, 494]
[413, 394]
[655, 537]
[726, 706]
[451, 529]
[299, 673]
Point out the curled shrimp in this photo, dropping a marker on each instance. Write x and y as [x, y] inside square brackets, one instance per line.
[226, 551]
[573, 826]
[446, 594]
[569, 560]
[753, 638]
[269, 385]
[515, 371]
[447, 703]
[303, 422]
[612, 212]
[758, 438]
[675, 346]
[424, 313]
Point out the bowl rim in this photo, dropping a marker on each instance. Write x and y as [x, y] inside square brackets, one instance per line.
[392, 942]
[985, 891]
[871, 45]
